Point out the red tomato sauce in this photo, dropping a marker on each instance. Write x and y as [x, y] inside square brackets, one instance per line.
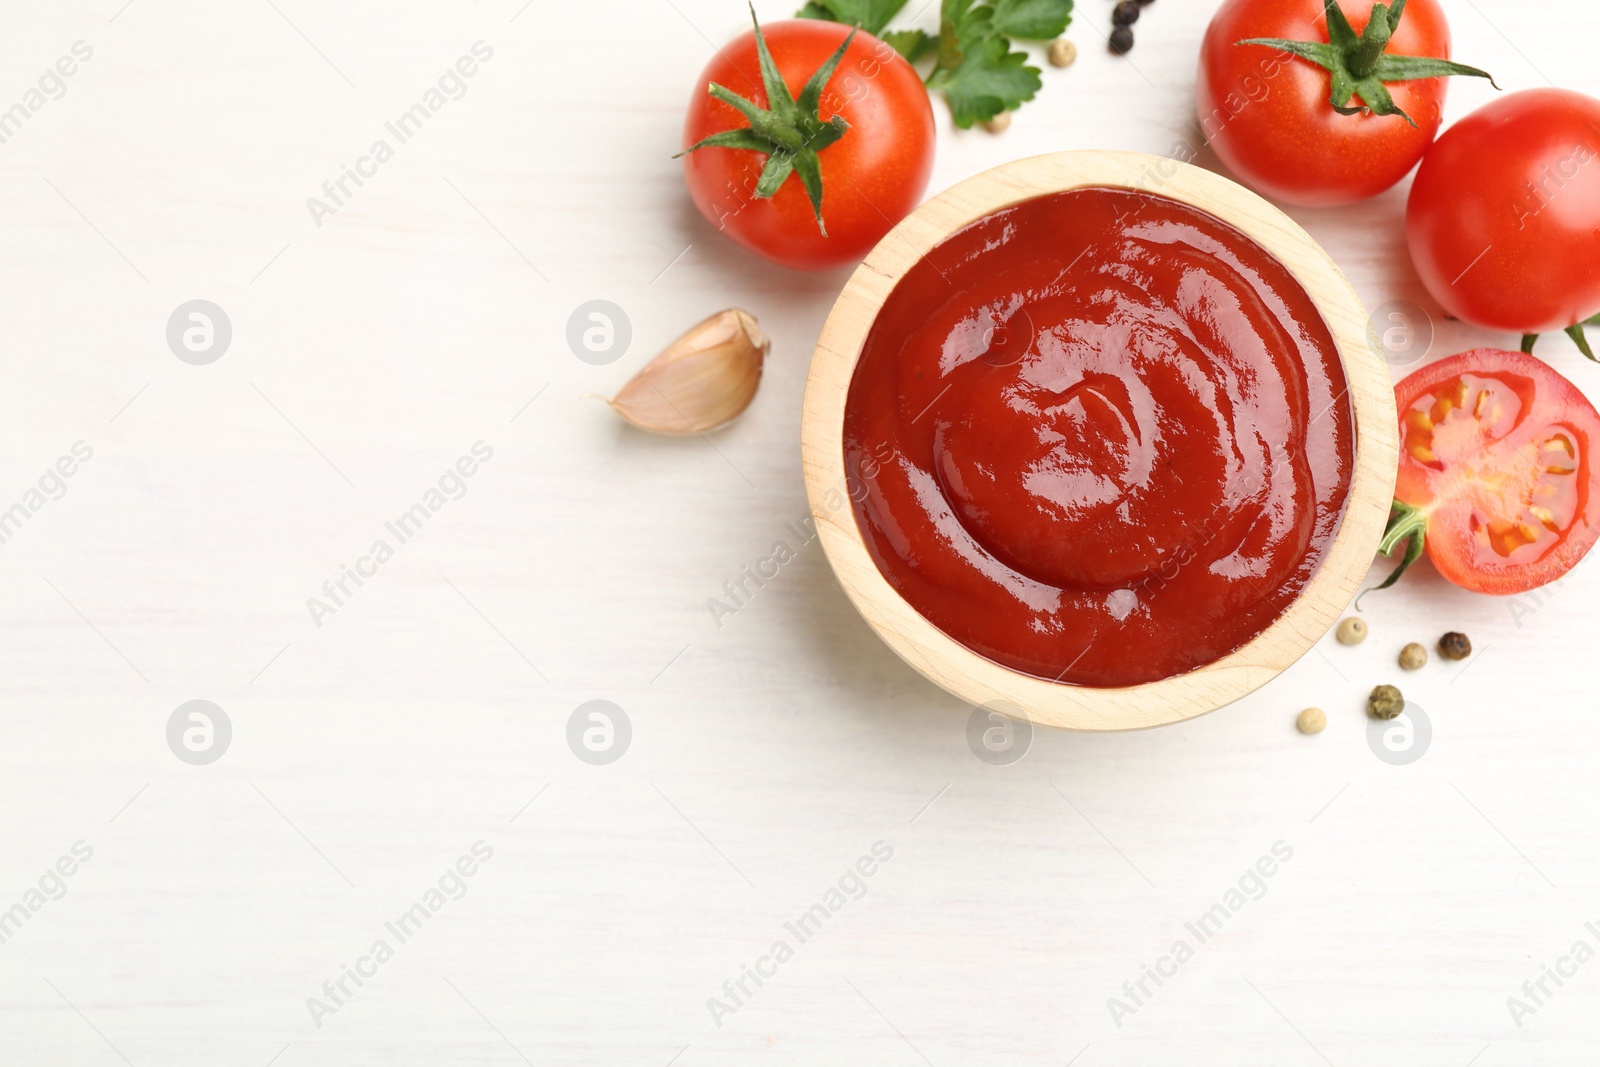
[1099, 437]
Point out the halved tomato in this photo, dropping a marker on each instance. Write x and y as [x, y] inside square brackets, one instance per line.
[1496, 479]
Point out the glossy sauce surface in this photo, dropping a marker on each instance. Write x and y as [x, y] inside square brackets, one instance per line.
[1100, 437]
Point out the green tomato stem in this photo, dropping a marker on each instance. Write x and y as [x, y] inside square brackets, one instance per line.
[1408, 525]
[1359, 66]
[789, 132]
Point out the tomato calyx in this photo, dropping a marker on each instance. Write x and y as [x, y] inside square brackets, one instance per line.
[1359, 65]
[789, 132]
[1408, 525]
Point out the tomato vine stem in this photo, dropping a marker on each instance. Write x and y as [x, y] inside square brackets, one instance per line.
[1408, 525]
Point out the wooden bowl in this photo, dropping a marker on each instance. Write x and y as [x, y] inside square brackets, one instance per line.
[981, 681]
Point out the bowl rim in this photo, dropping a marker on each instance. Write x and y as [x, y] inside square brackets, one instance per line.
[969, 675]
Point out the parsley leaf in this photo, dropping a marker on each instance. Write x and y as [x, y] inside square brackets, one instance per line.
[962, 25]
[975, 64]
[870, 15]
[990, 79]
[913, 44]
[1032, 20]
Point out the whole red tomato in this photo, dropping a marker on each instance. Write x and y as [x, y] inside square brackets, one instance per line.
[871, 176]
[1268, 114]
[1504, 216]
[1498, 477]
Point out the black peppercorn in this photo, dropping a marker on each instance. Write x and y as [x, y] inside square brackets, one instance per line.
[1455, 645]
[1125, 13]
[1145, 3]
[1121, 40]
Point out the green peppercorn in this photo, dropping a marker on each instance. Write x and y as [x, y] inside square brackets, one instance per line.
[1121, 40]
[1125, 14]
[1385, 702]
[1455, 646]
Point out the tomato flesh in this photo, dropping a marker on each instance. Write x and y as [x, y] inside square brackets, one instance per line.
[1496, 451]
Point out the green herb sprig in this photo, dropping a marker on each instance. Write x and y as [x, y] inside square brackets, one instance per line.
[975, 64]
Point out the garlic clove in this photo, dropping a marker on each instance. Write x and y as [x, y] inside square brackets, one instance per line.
[699, 382]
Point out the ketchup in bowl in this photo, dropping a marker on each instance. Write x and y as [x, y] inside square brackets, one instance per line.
[1099, 437]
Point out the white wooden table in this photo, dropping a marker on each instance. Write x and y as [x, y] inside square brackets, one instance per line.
[429, 711]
